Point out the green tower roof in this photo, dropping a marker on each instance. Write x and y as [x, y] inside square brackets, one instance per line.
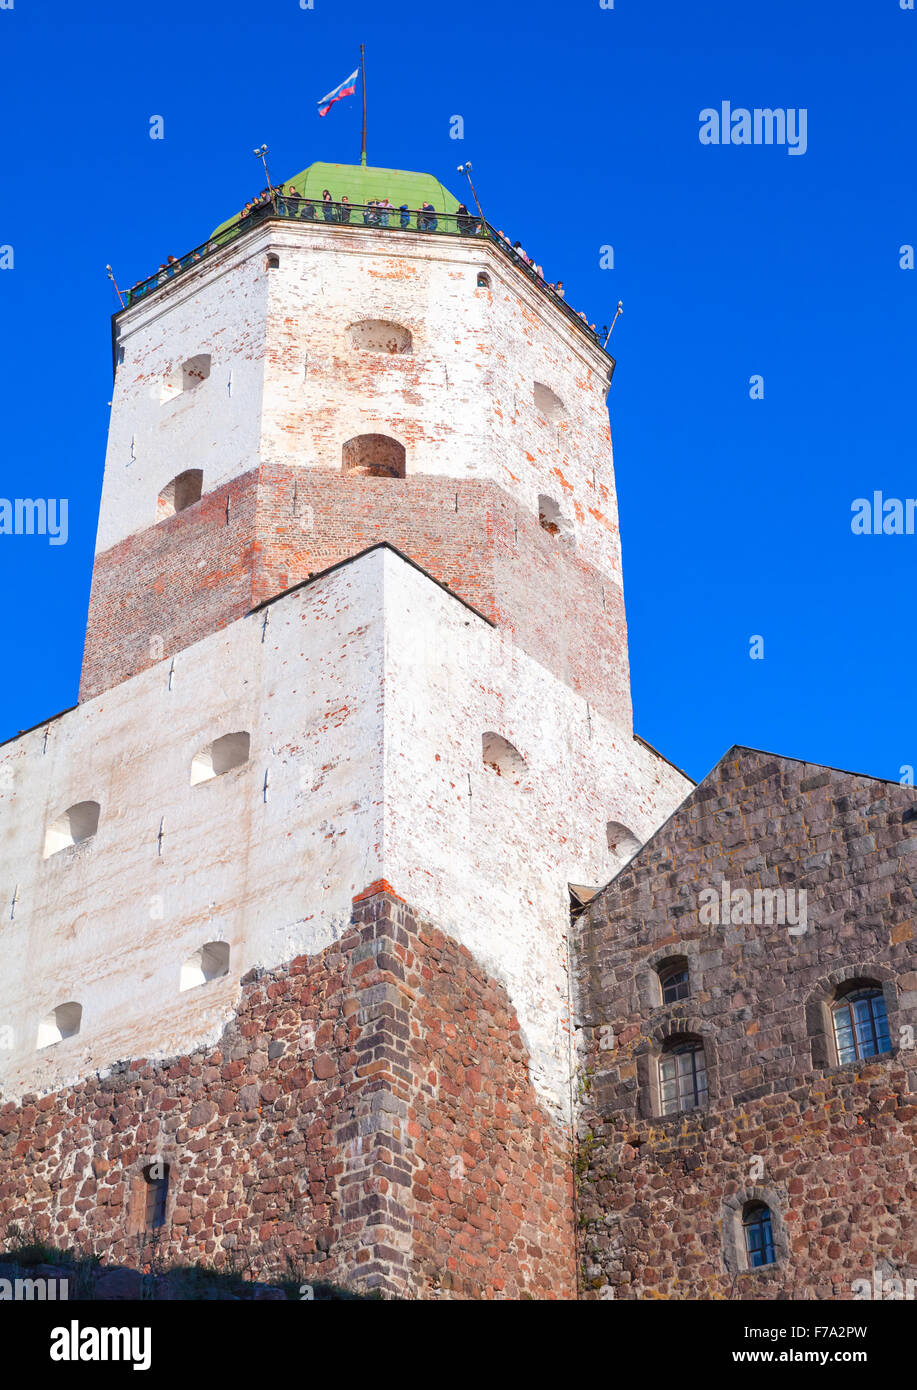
[361, 183]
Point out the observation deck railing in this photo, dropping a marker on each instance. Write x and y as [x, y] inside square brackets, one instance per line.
[357, 215]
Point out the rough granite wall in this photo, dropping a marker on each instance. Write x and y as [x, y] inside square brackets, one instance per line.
[366, 1117]
[831, 1148]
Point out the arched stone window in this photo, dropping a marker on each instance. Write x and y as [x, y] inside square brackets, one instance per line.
[548, 403]
[78, 823]
[374, 456]
[380, 335]
[209, 963]
[759, 1234]
[667, 980]
[676, 1064]
[852, 1015]
[674, 979]
[502, 757]
[62, 1022]
[273, 261]
[221, 756]
[682, 1075]
[860, 1021]
[483, 282]
[754, 1236]
[183, 491]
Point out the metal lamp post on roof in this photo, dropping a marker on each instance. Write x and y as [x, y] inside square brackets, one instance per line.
[261, 153]
[466, 170]
[111, 276]
[619, 310]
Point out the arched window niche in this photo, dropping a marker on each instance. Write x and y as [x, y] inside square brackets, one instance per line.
[382, 336]
[222, 756]
[61, 1023]
[211, 962]
[501, 757]
[181, 492]
[75, 825]
[755, 1240]
[374, 456]
[548, 403]
[622, 843]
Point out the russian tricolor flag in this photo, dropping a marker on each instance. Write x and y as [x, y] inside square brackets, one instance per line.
[346, 89]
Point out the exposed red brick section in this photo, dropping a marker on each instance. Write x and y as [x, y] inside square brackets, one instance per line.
[661, 1196]
[194, 573]
[367, 1113]
[379, 885]
[168, 586]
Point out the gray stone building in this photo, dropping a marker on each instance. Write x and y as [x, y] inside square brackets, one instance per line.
[747, 989]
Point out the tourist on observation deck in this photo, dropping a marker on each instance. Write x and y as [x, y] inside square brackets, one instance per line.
[346, 208]
[385, 207]
[464, 220]
[262, 204]
[293, 201]
[405, 215]
[559, 288]
[328, 206]
[427, 222]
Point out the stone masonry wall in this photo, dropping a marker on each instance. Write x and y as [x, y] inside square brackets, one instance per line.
[366, 1117]
[830, 1148]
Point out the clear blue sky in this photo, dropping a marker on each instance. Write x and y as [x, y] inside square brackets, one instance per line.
[582, 124]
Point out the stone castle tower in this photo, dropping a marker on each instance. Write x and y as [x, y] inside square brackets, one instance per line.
[286, 964]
